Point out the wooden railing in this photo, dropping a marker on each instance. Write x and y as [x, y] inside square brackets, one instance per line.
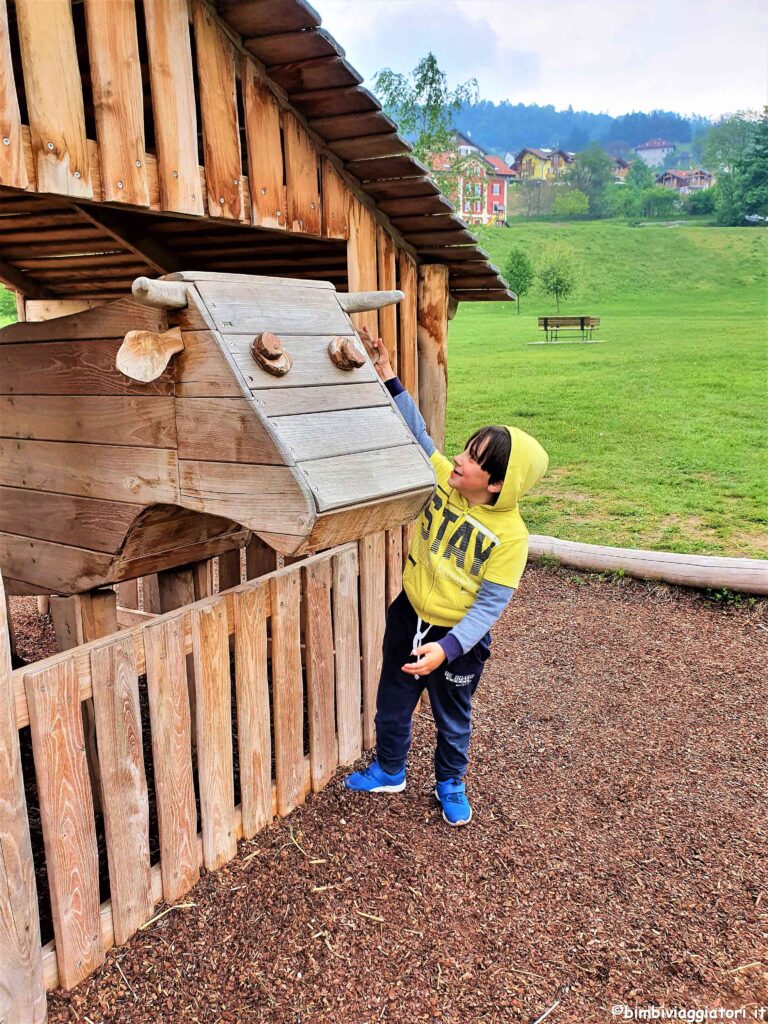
[305, 643]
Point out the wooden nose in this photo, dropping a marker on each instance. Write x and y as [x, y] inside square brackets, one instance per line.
[347, 353]
[268, 351]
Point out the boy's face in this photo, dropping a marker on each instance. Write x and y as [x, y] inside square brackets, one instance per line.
[470, 479]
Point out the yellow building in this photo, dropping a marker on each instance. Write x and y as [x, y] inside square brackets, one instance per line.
[541, 164]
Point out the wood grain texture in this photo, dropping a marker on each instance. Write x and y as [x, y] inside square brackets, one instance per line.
[77, 368]
[229, 569]
[301, 177]
[312, 365]
[259, 497]
[66, 813]
[321, 703]
[364, 476]
[173, 105]
[394, 555]
[60, 568]
[408, 354]
[54, 97]
[126, 803]
[104, 320]
[172, 755]
[433, 348]
[372, 562]
[202, 370]
[348, 524]
[265, 151]
[387, 271]
[13, 168]
[253, 715]
[98, 470]
[287, 690]
[346, 630]
[335, 202]
[259, 559]
[218, 111]
[145, 422]
[361, 260]
[66, 518]
[320, 398]
[113, 50]
[213, 688]
[262, 306]
[223, 430]
[22, 989]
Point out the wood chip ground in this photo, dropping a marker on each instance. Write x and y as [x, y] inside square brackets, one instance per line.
[619, 852]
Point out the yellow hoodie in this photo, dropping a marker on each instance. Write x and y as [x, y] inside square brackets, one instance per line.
[455, 547]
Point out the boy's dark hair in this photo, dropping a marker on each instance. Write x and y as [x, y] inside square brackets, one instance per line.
[495, 458]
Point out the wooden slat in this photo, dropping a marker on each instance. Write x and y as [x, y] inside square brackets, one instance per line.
[433, 238]
[326, 102]
[321, 708]
[312, 365]
[113, 51]
[350, 126]
[91, 470]
[443, 221]
[202, 370]
[285, 47]
[264, 17]
[329, 72]
[346, 628]
[408, 356]
[213, 689]
[13, 168]
[229, 569]
[265, 153]
[335, 204]
[415, 205]
[140, 422]
[218, 111]
[54, 97]
[401, 188]
[486, 295]
[106, 321]
[482, 282]
[322, 434]
[22, 989]
[328, 398]
[173, 105]
[361, 259]
[347, 479]
[298, 309]
[124, 785]
[454, 254]
[433, 348]
[301, 177]
[223, 430]
[287, 691]
[172, 755]
[260, 559]
[253, 732]
[58, 567]
[66, 813]
[387, 271]
[394, 555]
[382, 167]
[266, 496]
[371, 552]
[369, 146]
[66, 519]
[80, 368]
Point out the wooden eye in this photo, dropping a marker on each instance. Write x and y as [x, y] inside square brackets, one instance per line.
[347, 353]
[268, 351]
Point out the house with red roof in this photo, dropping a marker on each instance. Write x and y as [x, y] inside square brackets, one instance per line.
[686, 181]
[480, 185]
[655, 151]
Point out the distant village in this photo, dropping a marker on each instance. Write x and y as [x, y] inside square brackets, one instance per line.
[485, 183]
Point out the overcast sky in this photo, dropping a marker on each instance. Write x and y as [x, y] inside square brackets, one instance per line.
[691, 56]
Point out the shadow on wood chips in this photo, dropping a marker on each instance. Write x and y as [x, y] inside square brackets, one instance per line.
[618, 855]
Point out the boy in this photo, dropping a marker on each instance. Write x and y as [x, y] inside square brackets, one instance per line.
[467, 555]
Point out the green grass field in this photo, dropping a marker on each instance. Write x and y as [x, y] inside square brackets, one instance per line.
[657, 438]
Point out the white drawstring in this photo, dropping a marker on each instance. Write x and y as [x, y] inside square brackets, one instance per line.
[419, 635]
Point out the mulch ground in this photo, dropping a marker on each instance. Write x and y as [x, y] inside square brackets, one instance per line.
[618, 854]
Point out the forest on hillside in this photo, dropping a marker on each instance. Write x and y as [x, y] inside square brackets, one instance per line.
[501, 127]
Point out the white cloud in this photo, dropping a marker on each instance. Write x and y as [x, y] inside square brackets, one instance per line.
[692, 56]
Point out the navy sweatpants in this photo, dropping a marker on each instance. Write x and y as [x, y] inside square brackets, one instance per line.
[450, 689]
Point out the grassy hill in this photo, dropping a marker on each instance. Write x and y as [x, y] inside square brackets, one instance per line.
[657, 438]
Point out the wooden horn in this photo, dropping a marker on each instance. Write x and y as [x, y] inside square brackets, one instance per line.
[364, 302]
[161, 294]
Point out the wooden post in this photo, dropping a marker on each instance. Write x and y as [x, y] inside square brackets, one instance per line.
[22, 990]
[259, 558]
[229, 569]
[433, 348]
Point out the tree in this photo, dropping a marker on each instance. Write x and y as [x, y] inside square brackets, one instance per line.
[557, 274]
[700, 202]
[519, 272]
[570, 203]
[727, 140]
[743, 191]
[7, 304]
[658, 201]
[591, 174]
[639, 175]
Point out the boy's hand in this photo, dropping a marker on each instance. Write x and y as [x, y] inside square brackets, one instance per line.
[431, 656]
[382, 363]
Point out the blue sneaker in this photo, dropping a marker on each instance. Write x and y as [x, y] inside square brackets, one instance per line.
[374, 779]
[452, 795]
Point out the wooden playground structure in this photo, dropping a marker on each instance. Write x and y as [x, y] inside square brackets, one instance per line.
[175, 450]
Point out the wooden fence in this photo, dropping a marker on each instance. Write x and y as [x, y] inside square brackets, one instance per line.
[284, 673]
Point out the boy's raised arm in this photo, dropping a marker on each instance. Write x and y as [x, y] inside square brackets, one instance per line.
[403, 400]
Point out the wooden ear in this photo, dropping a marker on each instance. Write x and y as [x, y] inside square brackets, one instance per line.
[144, 355]
[346, 353]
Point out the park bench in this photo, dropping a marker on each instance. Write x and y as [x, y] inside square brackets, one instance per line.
[552, 325]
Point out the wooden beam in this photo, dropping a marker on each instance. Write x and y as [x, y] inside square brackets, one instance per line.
[433, 348]
[121, 227]
[24, 283]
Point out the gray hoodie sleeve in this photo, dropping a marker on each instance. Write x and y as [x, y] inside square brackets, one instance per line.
[410, 414]
[491, 600]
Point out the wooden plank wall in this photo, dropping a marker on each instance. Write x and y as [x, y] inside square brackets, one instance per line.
[322, 614]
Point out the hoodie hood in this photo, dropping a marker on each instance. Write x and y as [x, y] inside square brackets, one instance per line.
[527, 465]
